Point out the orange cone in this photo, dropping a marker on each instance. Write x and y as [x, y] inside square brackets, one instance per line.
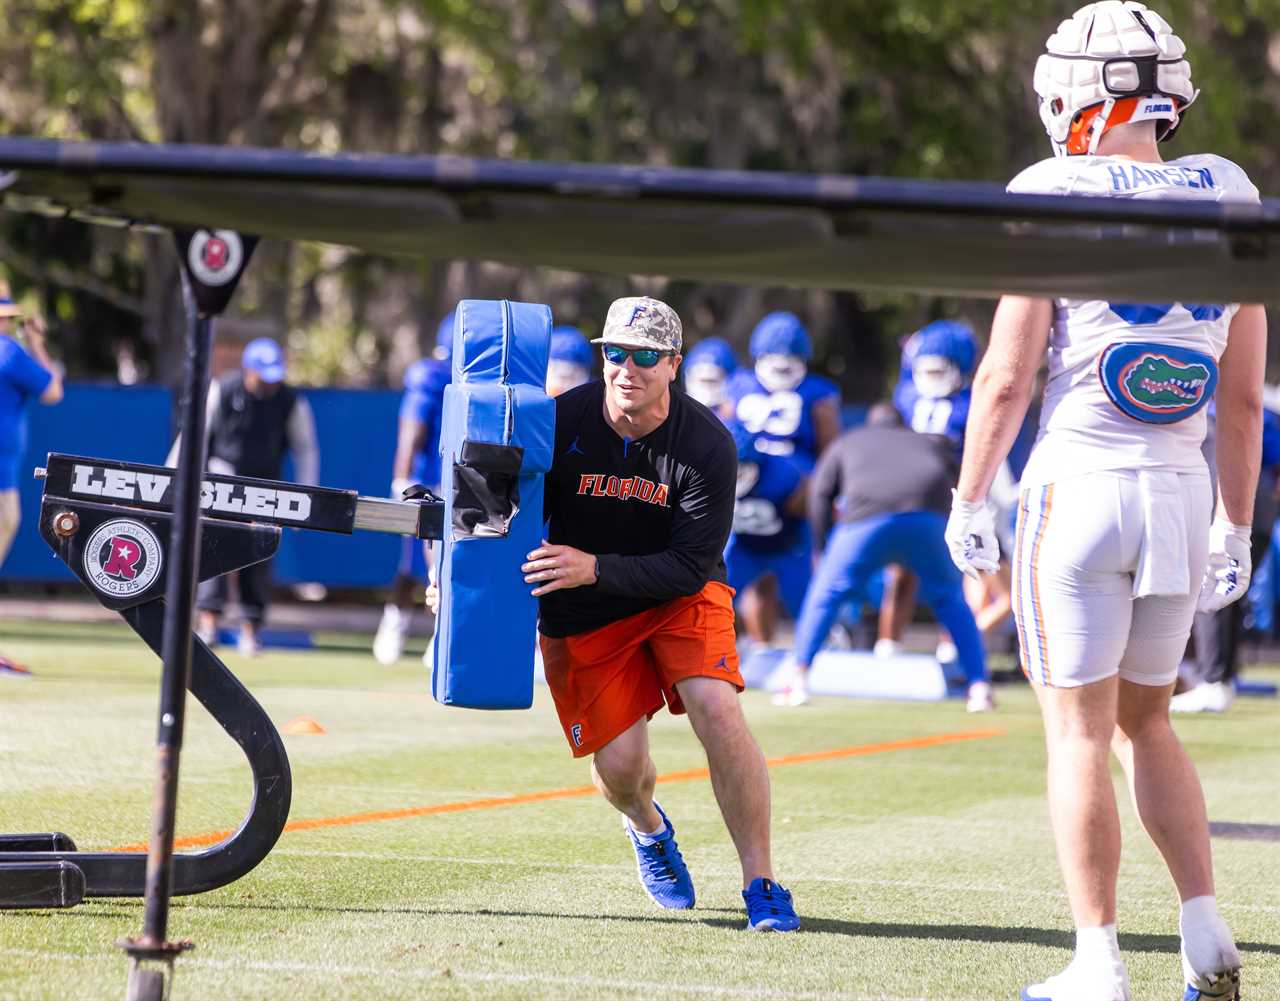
[303, 724]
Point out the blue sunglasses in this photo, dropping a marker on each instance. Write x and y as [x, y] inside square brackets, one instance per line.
[643, 357]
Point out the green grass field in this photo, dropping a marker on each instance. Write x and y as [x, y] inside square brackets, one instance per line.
[920, 873]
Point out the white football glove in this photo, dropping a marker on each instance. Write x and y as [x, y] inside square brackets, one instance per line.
[1226, 576]
[971, 536]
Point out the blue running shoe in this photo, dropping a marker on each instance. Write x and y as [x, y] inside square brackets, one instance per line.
[1224, 986]
[663, 873]
[769, 906]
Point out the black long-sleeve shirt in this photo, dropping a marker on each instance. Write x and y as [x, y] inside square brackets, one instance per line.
[880, 470]
[656, 511]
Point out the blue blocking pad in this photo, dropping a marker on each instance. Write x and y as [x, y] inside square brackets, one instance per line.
[496, 443]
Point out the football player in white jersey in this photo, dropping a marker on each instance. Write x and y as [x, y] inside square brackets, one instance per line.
[1118, 540]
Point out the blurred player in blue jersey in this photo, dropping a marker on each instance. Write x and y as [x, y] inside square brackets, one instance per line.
[417, 460]
[26, 374]
[790, 410]
[571, 360]
[706, 372]
[933, 389]
[770, 531]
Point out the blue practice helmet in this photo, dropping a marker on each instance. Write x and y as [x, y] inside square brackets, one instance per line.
[417, 375]
[950, 339]
[781, 333]
[712, 351]
[569, 344]
[444, 336]
[744, 440]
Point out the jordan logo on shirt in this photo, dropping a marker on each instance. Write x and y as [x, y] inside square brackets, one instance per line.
[624, 488]
[574, 448]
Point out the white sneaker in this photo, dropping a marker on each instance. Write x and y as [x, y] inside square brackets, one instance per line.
[209, 637]
[388, 644]
[946, 653]
[795, 694]
[887, 648]
[794, 689]
[839, 638]
[247, 644]
[311, 591]
[1222, 986]
[1080, 983]
[981, 699]
[1219, 954]
[1207, 697]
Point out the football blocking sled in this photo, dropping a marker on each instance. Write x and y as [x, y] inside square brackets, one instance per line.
[110, 522]
[496, 440]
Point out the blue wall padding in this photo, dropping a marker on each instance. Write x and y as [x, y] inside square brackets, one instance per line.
[130, 423]
[486, 629]
[357, 432]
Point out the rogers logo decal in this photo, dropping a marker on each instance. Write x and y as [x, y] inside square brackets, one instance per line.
[215, 258]
[122, 558]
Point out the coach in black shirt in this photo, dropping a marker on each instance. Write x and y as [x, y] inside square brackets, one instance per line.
[635, 611]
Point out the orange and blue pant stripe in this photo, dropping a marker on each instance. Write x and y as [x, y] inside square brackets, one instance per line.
[1035, 506]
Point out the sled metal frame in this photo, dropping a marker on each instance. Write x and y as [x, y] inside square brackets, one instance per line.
[47, 870]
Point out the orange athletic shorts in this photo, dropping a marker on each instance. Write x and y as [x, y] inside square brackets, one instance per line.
[606, 679]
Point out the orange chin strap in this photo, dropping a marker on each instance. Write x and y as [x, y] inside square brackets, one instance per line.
[1080, 137]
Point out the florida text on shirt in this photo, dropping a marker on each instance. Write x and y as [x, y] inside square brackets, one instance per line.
[624, 488]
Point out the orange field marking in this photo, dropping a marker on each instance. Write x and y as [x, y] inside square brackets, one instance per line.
[494, 802]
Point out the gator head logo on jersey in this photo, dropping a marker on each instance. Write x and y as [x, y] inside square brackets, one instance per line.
[1157, 383]
[1160, 383]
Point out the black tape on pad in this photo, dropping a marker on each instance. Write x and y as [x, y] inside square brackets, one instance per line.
[486, 489]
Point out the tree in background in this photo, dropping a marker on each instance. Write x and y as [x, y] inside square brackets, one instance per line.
[918, 88]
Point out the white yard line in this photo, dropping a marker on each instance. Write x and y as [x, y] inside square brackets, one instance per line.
[628, 870]
[447, 974]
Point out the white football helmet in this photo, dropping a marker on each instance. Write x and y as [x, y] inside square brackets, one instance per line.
[780, 373]
[936, 377]
[706, 383]
[1111, 63]
[563, 376]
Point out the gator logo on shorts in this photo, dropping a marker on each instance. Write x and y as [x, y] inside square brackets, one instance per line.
[1157, 383]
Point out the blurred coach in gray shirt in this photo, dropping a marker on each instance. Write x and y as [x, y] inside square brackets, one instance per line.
[888, 491]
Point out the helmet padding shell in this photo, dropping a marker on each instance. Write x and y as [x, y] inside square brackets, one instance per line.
[1107, 52]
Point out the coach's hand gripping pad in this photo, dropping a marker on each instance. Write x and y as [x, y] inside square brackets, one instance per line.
[496, 442]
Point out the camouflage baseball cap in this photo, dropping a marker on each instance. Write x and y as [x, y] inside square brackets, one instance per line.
[637, 321]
